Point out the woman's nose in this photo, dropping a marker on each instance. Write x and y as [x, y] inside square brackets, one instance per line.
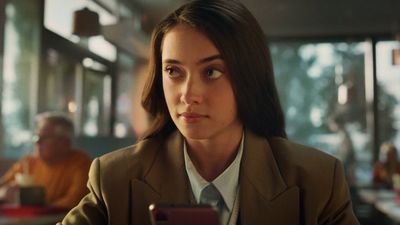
[192, 92]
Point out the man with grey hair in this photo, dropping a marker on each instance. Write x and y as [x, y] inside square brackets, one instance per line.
[55, 164]
[53, 136]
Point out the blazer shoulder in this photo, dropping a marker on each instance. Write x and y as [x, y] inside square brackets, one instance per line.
[301, 159]
[298, 152]
[140, 155]
[320, 178]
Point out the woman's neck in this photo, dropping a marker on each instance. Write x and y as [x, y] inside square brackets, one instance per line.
[212, 156]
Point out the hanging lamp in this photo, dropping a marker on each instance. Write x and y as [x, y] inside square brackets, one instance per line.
[86, 23]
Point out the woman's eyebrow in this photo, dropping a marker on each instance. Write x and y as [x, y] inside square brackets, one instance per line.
[172, 61]
[201, 61]
[209, 59]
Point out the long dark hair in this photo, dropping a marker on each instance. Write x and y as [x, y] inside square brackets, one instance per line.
[243, 47]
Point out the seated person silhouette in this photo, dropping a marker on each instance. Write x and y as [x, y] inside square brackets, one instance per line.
[386, 167]
[54, 165]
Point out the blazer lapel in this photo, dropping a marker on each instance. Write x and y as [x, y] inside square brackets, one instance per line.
[264, 196]
[165, 182]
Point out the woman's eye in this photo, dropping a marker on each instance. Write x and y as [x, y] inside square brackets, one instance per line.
[213, 73]
[172, 72]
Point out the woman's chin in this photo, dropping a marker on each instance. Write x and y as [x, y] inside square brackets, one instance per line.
[195, 134]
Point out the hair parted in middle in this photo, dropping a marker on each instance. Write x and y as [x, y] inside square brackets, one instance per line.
[243, 47]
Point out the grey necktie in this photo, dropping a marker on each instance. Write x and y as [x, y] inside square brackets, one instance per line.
[210, 195]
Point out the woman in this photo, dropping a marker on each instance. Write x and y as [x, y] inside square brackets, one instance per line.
[217, 123]
[387, 167]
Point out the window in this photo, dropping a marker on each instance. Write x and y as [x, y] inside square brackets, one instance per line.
[20, 73]
[125, 82]
[59, 83]
[131, 119]
[96, 103]
[77, 82]
[321, 86]
[388, 83]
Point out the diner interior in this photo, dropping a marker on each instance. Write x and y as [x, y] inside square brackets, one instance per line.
[336, 65]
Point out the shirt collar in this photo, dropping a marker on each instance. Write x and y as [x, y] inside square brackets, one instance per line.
[227, 182]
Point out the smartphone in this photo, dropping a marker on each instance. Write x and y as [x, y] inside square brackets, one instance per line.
[170, 214]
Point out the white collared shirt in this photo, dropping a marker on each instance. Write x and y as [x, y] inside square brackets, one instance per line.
[227, 182]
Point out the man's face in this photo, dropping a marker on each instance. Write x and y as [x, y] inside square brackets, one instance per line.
[49, 144]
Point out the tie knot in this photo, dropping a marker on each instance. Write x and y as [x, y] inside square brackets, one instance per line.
[210, 195]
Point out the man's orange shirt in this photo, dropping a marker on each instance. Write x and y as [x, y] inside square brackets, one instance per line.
[64, 182]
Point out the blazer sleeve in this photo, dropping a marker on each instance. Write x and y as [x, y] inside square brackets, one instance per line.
[338, 210]
[91, 210]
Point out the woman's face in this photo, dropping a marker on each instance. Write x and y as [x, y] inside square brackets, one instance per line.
[197, 90]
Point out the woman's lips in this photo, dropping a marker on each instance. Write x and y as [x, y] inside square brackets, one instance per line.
[191, 117]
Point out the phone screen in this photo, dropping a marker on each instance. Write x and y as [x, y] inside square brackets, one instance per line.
[164, 214]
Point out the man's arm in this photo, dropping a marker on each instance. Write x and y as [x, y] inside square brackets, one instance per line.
[91, 210]
[8, 186]
[77, 189]
[9, 176]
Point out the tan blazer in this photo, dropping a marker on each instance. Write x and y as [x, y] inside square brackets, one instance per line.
[281, 183]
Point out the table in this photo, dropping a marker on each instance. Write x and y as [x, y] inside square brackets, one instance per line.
[383, 200]
[37, 220]
[33, 215]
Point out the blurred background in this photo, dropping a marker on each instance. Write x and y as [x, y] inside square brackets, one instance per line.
[337, 68]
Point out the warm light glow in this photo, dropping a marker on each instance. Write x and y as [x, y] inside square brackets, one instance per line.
[342, 94]
[88, 62]
[72, 107]
[396, 56]
[120, 130]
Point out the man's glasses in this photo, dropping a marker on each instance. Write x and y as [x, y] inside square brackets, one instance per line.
[38, 138]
